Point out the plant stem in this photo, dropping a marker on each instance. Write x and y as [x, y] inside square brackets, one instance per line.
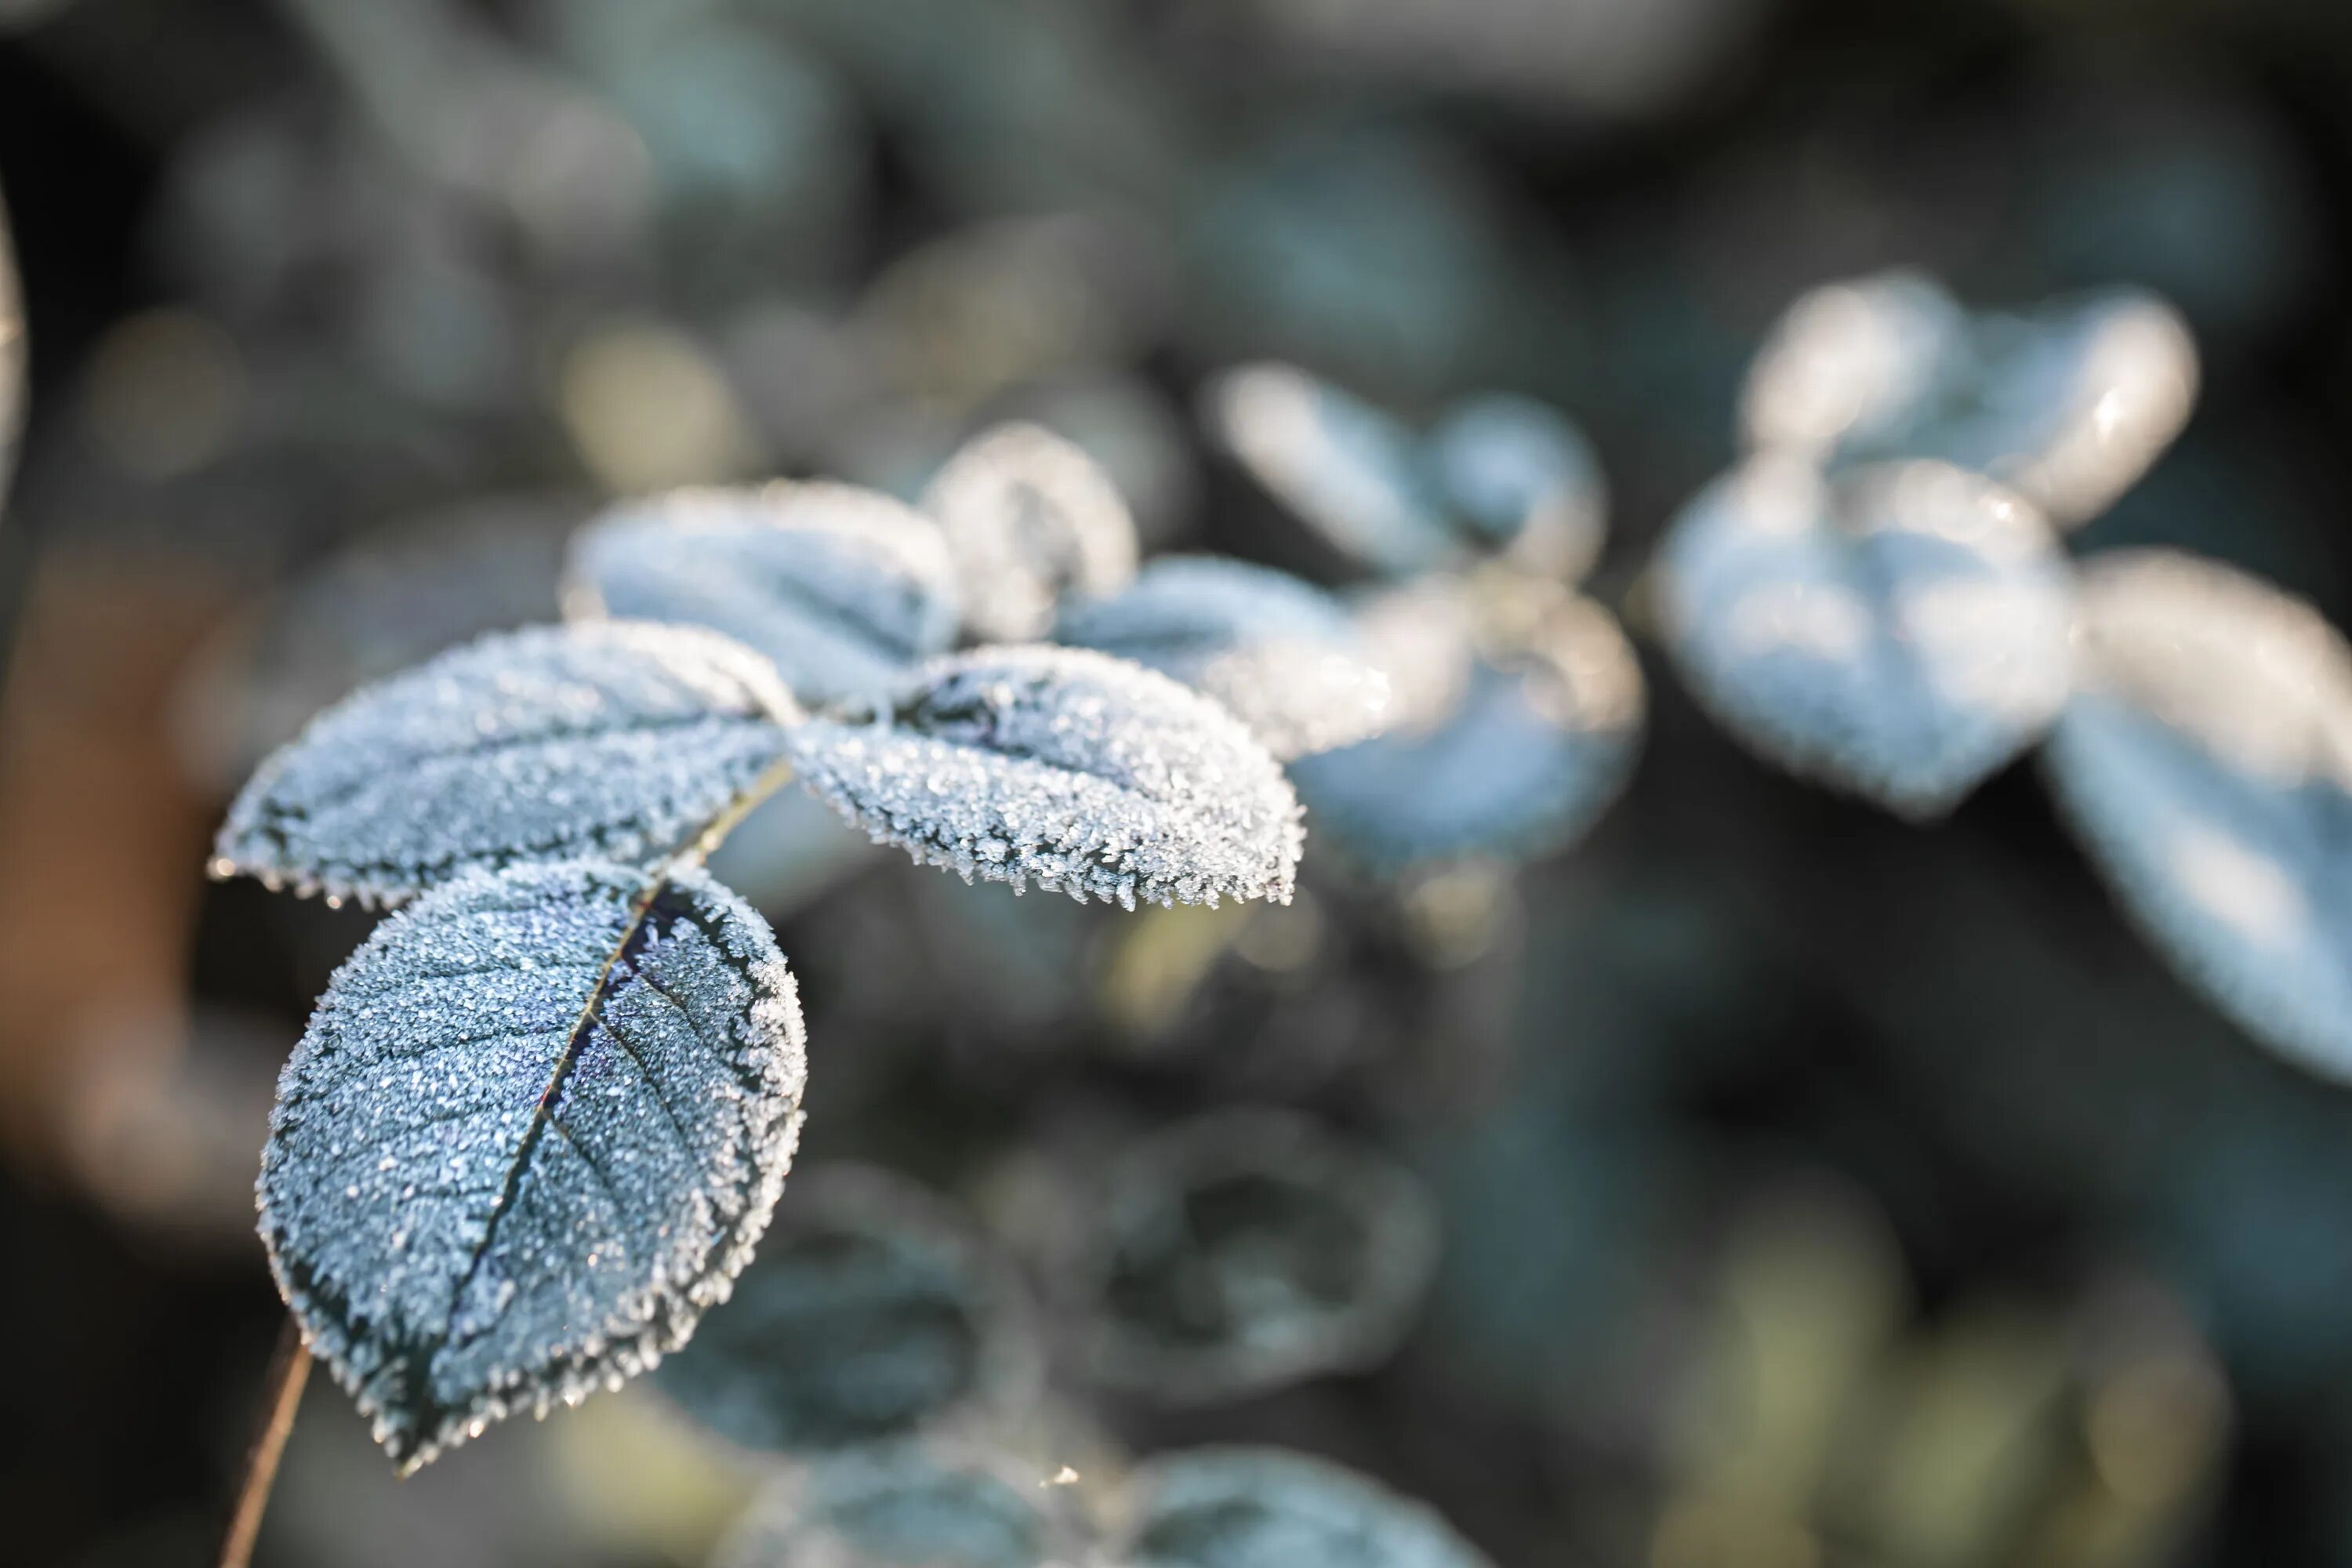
[289, 1368]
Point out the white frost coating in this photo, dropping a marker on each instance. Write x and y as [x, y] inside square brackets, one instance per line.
[2067, 405]
[1270, 1508]
[617, 740]
[2206, 762]
[1899, 632]
[1523, 478]
[532, 1131]
[1529, 745]
[845, 589]
[1029, 518]
[874, 1312]
[1068, 768]
[1283, 655]
[12, 358]
[1346, 470]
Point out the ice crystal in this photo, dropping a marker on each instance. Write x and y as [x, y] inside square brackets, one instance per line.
[872, 1312]
[1899, 632]
[1280, 653]
[1066, 768]
[2206, 762]
[1524, 480]
[1513, 748]
[1346, 470]
[901, 1505]
[2067, 405]
[617, 740]
[532, 1131]
[843, 588]
[1268, 1507]
[1029, 518]
[1246, 1250]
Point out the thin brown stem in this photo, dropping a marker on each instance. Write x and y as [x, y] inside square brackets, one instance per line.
[281, 1394]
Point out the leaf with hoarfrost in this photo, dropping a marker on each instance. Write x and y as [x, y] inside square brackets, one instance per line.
[1898, 631]
[12, 359]
[1029, 519]
[903, 1505]
[617, 740]
[1347, 470]
[1513, 736]
[532, 1131]
[872, 1312]
[1250, 1249]
[2205, 762]
[1269, 1508]
[1064, 767]
[844, 589]
[1283, 655]
[2068, 405]
[1523, 480]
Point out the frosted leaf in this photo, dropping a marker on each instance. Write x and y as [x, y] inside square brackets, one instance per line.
[1068, 768]
[617, 740]
[1269, 1508]
[1346, 470]
[1249, 1249]
[872, 1312]
[1512, 740]
[1899, 632]
[1522, 478]
[2206, 763]
[12, 359]
[1029, 518]
[2068, 405]
[842, 588]
[901, 1505]
[1279, 652]
[533, 1129]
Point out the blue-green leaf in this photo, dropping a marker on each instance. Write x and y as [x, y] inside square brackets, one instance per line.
[2206, 763]
[844, 589]
[1268, 1508]
[1029, 519]
[532, 1132]
[1066, 768]
[1280, 653]
[1899, 631]
[1249, 1249]
[872, 1312]
[617, 740]
[901, 1505]
[1523, 480]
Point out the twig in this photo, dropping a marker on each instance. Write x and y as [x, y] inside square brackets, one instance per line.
[281, 1394]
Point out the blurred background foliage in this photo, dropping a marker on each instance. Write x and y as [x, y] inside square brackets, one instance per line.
[1762, 1180]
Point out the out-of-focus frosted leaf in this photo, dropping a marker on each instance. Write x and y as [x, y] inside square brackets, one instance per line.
[904, 1505]
[1029, 518]
[1066, 768]
[1270, 1508]
[1513, 738]
[1280, 653]
[872, 1311]
[843, 588]
[1250, 1249]
[12, 358]
[617, 740]
[2067, 405]
[1523, 478]
[2206, 762]
[532, 1131]
[1346, 470]
[1899, 631]
[387, 601]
